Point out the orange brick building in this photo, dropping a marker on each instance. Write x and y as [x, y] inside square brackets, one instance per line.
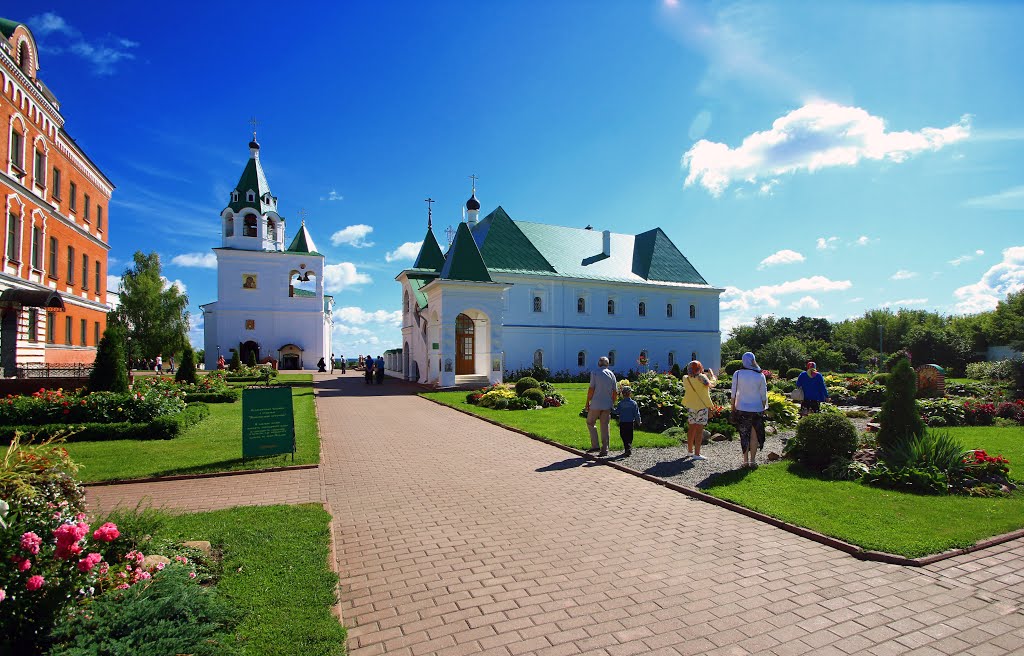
[53, 261]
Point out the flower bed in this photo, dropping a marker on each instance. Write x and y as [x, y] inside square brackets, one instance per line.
[504, 396]
[162, 428]
[141, 405]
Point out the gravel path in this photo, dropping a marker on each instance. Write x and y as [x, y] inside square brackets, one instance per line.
[675, 465]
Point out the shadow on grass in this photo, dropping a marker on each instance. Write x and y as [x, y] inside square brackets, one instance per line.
[232, 464]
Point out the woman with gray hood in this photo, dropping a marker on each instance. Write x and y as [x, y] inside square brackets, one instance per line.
[749, 402]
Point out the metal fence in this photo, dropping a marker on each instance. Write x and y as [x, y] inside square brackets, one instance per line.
[53, 371]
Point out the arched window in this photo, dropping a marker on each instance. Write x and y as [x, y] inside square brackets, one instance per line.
[671, 359]
[611, 358]
[537, 304]
[229, 225]
[611, 306]
[249, 196]
[249, 227]
[405, 301]
[693, 311]
[581, 305]
[642, 309]
[668, 310]
[25, 59]
[538, 358]
[234, 196]
[271, 230]
[581, 358]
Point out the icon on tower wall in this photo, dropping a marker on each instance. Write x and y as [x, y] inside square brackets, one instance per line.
[249, 280]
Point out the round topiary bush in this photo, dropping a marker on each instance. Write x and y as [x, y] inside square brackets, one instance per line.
[526, 383]
[793, 372]
[821, 438]
[534, 394]
[732, 366]
[880, 379]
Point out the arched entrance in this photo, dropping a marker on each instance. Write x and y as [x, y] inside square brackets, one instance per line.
[465, 342]
[247, 348]
[291, 357]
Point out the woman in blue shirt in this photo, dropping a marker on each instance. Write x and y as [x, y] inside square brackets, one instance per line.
[813, 385]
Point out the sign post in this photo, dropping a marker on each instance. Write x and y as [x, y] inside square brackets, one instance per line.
[268, 426]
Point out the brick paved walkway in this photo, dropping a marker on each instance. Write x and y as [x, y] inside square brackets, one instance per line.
[457, 537]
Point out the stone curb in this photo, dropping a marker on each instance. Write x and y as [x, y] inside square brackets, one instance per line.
[191, 477]
[821, 538]
[332, 556]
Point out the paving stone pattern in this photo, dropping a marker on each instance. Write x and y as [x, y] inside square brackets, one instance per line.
[454, 536]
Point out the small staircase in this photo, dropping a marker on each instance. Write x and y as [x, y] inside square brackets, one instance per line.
[471, 381]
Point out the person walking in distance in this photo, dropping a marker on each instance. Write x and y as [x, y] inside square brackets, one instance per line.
[749, 402]
[368, 363]
[601, 398]
[697, 400]
[378, 369]
[629, 417]
[159, 363]
[342, 365]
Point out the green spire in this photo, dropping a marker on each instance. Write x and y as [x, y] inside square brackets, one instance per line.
[430, 256]
[303, 242]
[253, 180]
[464, 261]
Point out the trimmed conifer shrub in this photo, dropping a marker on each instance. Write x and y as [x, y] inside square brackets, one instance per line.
[821, 439]
[793, 373]
[236, 361]
[187, 371]
[677, 371]
[252, 358]
[108, 372]
[899, 418]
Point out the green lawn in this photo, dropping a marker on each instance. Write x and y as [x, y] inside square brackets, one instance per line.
[1005, 441]
[275, 569]
[908, 524]
[562, 425]
[212, 445]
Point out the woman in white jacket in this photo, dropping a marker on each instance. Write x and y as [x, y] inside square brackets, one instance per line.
[749, 402]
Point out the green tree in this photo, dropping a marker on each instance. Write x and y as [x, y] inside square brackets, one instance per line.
[1007, 322]
[782, 353]
[236, 361]
[187, 370]
[109, 373]
[899, 418]
[252, 358]
[153, 312]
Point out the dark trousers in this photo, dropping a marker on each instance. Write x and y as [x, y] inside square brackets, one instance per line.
[626, 433]
[380, 375]
[369, 376]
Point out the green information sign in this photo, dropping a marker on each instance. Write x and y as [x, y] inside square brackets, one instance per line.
[268, 427]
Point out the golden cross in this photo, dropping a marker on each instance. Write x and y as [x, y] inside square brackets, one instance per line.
[474, 178]
[253, 122]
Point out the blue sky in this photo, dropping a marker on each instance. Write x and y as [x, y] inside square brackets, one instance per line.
[817, 160]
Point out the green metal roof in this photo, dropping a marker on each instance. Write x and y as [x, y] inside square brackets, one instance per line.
[504, 246]
[464, 261]
[255, 180]
[655, 257]
[430, 256]
[8, 26]
[303, 242]
[417, 285]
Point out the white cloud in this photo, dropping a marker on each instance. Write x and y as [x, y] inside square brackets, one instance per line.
[784, 256]
[1009, 199]
[358, 315]
[113, 284]
[196, 260]
[856, 300]
[407, 251]
[736, 299]
[342, 276]
[957, 261]
[196, 332]
[1001, 279]
[816, 136]
[905, 302]
[332, 195]
[103, 51]
[826, 243]
[168, 283]
[903, 274]
[766, 188]
[863, 240]
[805, 303]
[353, 235]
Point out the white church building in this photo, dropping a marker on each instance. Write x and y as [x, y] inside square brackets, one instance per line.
[270, 298]
[512, 294]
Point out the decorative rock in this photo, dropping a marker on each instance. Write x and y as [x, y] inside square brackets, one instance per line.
[707, 434]
[772, 456]
[872, 427]
[201, 545]
[718, 437]
[151, 561]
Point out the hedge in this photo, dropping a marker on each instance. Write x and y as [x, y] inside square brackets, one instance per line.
[161, 428]
[229, 395]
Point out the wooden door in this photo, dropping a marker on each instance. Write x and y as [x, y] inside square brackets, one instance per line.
[464, 345]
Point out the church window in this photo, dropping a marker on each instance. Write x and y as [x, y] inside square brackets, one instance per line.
[405, 301]
[16, 149]
[538, 358]
[668, 310]
[234, 196]
[581, 358]
[671, 359]
[250, 196]
[581, 305]
[611, 358]
[642, 309]
[611, 306]
[271, 230]
[25, 58]
[693, 311]
[249, 227]
[229, 226]
[538, 305]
